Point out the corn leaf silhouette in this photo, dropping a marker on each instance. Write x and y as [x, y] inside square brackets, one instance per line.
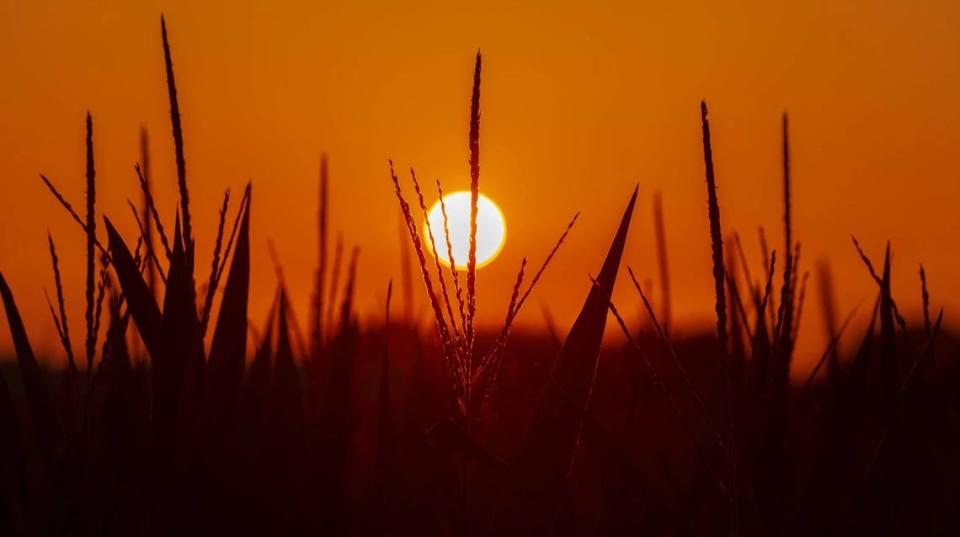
[140, 301]
[229, 347]
[176, 372]
[39, 403]
[555, 432]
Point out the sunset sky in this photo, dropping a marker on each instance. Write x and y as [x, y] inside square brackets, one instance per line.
[580, 102]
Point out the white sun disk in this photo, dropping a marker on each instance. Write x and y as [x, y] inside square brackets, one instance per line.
[491, 229]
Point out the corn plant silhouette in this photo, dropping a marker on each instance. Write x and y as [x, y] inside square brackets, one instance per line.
[186, 413]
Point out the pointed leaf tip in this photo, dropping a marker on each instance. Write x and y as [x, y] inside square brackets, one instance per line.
[39, 403]
[141, 302]
[228, 348]
[554, 436]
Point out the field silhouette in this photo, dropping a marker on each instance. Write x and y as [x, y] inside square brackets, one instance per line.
[187, 413]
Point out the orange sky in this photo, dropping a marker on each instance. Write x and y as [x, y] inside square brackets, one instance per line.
[580, 102]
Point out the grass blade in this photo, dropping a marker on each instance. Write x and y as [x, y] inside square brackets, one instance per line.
[149, 201]
[716, 241]
[140, 301]
[176, 374]
[454, 273]
[288, 396]
[335, 281]
[145, 209]
[151, 263]
[674, 406]
[436, 259]
[228, 349]
[474, 142]
[716, 237]
[830, 350]
[39, 403]
[214, 280]
[346, 307]
[828, 303]
[70, 210]
[662, 265]
[177, 141]
[925, 296]
[554, 434]
[316, 332]
[661, 331]
[62, 323]
[91, 229]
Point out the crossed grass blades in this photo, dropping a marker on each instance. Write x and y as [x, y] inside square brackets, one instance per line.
[385, 430]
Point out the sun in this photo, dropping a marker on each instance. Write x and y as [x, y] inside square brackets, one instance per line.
[491, 229]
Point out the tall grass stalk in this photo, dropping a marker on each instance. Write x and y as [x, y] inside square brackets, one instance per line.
[145, 212]
[145, 188]
[91, 229]
[674, 406]
[665, 337]
[63, 323]
[435, 249]
[454, 273]
[213, 281]
[334, 281]
[177, 140]
[662, 263]
[320, 277]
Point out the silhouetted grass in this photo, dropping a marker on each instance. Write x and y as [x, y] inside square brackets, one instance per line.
[390, 429]
[91, 229]
[317, 311]
[213, 280]
[454, 273]
[63, 326]
[663, 266]
[177, 137]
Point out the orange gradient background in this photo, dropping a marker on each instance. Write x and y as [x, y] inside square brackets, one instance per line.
[580, 102]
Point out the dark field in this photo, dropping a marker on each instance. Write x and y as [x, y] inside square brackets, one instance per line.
[184, 413]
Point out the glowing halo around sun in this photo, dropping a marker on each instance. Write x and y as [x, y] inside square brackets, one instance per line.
[491, 229]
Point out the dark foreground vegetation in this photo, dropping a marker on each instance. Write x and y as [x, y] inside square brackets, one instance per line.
[167, 422]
